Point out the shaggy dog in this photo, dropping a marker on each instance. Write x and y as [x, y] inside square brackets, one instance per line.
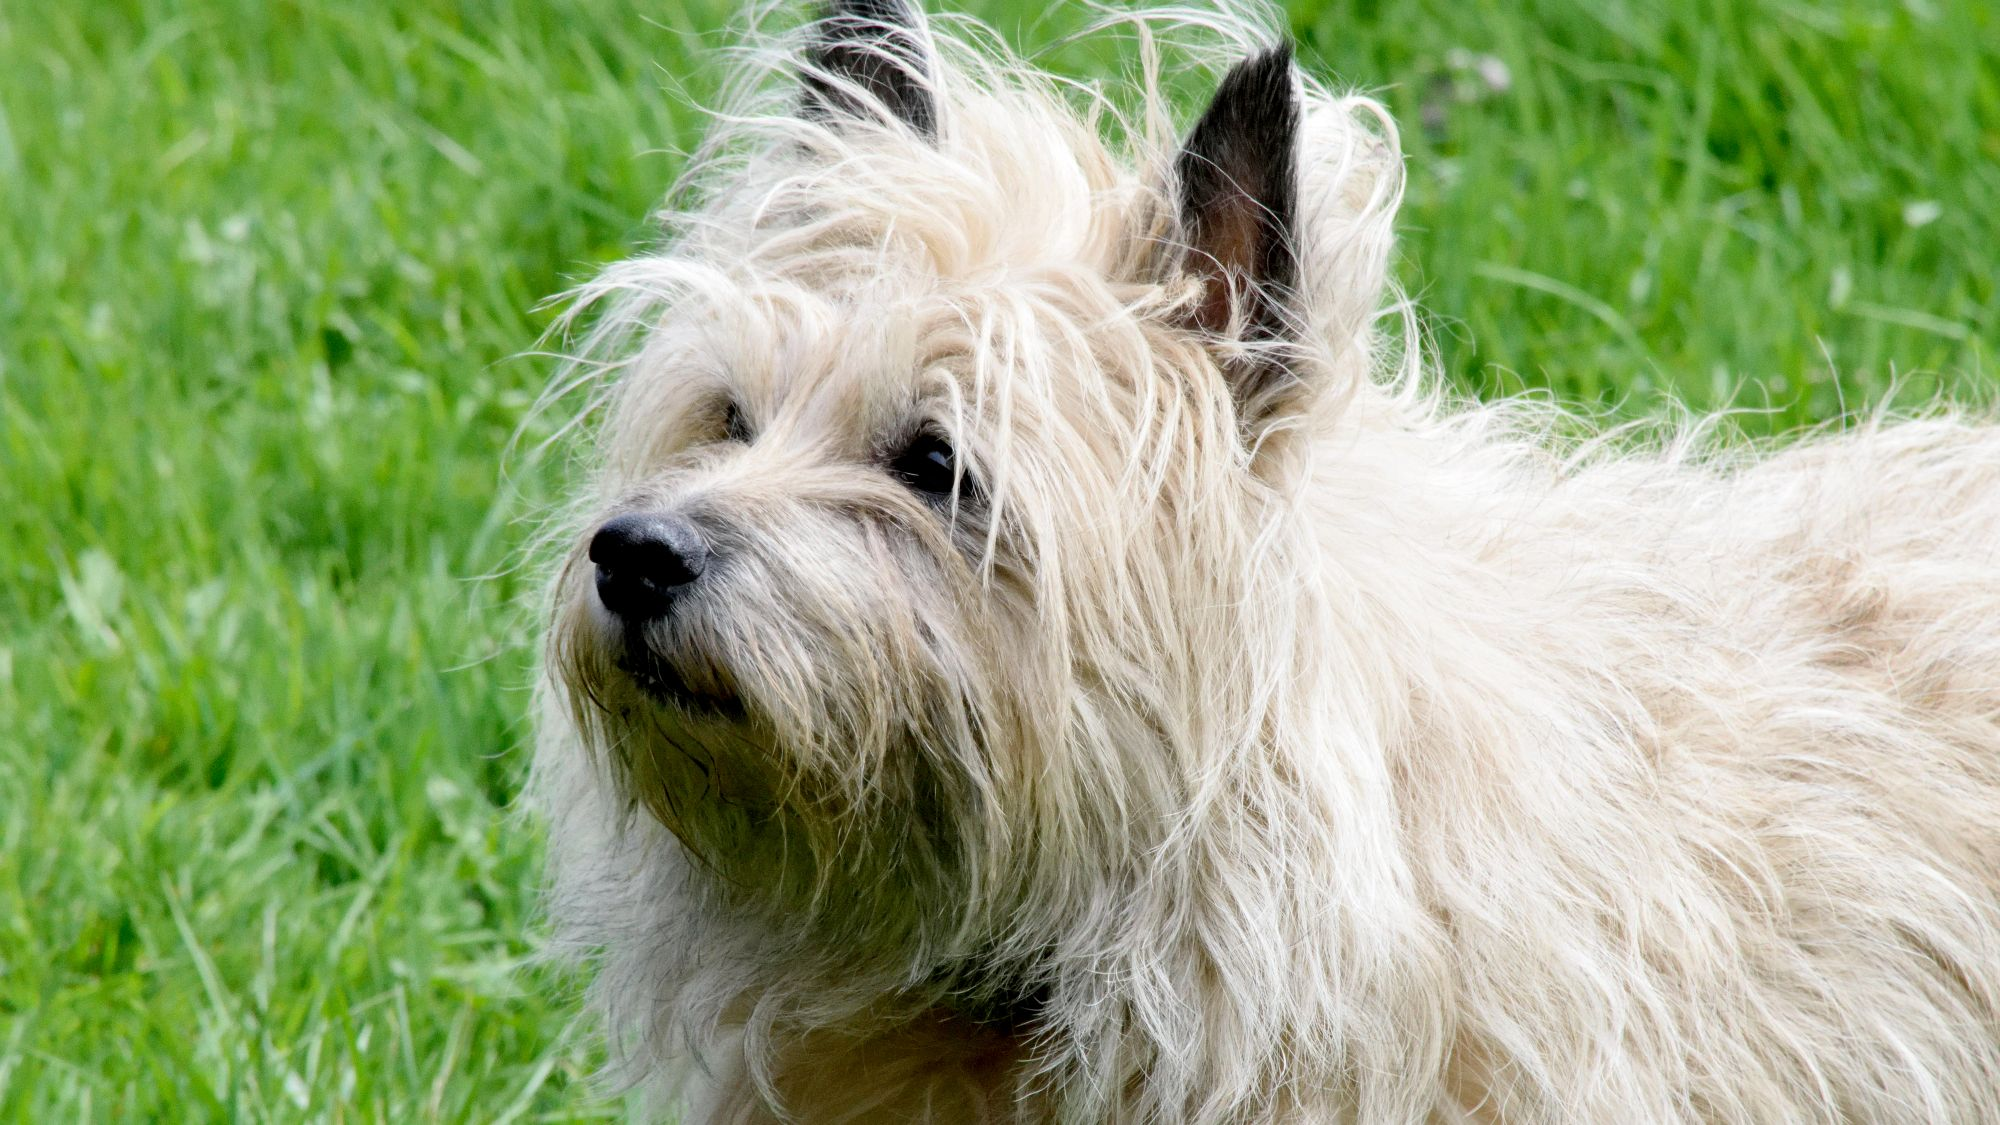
[1036, 647]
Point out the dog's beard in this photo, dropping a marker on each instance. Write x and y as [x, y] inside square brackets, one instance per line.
[795, 791]
[700, 688]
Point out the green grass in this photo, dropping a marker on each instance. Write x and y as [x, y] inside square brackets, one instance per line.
[264, 265]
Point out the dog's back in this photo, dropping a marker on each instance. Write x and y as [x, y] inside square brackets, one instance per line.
[1699, 771]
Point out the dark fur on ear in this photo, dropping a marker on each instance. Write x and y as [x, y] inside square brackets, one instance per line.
[868, 54]
[1238, 182]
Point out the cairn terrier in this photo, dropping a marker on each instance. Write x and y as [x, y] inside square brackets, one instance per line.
[1038, 646]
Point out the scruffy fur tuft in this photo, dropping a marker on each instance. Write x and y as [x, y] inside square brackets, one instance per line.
[1070, 663]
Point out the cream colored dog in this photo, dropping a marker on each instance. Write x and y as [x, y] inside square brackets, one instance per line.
[1036, 649]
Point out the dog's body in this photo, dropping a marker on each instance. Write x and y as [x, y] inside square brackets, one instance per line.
[1099, 681]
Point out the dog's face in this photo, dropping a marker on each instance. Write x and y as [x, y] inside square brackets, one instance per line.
[826, 614]
[927, 491]
[786, 619]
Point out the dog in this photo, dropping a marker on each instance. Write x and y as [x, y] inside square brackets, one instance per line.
[1038, 644]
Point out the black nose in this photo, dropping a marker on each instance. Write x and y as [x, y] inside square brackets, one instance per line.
[644, 561]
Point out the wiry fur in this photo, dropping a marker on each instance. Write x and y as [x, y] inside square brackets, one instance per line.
[1348, 754]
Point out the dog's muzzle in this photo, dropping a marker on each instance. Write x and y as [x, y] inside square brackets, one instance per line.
[648, 563]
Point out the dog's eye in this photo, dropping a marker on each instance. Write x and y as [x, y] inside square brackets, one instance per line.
[735, 425]
[927, 465]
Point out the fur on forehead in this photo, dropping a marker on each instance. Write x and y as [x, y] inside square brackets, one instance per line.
[1020, 237]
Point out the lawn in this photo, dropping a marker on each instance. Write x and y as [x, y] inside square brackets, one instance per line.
[268, 269]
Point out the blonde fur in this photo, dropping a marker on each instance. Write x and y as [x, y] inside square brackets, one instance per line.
[1359, 755]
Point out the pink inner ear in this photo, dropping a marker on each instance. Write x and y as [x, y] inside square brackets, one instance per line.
[1236, 176]
[1225, 253]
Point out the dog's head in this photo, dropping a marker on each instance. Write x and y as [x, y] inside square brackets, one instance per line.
[939, 446]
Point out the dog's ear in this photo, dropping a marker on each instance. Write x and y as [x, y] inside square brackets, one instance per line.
[1237, 184]
[868, 60]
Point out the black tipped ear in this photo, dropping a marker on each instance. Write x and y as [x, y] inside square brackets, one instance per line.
[1238, 181]
[867, 58]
